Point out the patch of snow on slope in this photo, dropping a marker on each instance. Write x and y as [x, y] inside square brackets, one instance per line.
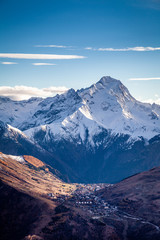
[15, 158]
[16, 130]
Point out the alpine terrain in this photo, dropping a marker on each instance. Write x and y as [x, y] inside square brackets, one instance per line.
[80, 165]
[97, 134]
[36, 205]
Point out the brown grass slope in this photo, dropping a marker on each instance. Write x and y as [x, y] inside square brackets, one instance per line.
[28, 213]
[139, 197]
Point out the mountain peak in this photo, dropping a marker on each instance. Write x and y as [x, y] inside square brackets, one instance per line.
[109, 83]
[115, 88]
[107, 79]
[106, 82]
[72, 94]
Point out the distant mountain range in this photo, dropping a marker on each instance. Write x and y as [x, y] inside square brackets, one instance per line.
[97, 134]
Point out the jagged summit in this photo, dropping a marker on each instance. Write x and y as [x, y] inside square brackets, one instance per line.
[71, 93]
[113, 87]
[89, 130]
[107, 79]
[109, 100]
[109, 86]
[105, 82]
[100, 106]
[108, 82]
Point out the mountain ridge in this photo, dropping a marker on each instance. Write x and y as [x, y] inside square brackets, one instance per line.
[102, 103]
[91, 131]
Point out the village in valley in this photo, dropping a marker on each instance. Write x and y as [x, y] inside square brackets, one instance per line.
[86, 198]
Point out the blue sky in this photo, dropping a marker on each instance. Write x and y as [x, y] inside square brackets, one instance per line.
[95, 37]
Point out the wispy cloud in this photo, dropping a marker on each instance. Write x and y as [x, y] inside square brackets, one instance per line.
[43, 64]
[51, 46]
[25, 92]
[136, 49]
[156, 100]
[89, 48]
[8, 63]
[144, 79]
[151, 101]
[39, 56]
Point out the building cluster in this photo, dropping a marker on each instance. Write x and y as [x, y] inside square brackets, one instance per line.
[85, 197]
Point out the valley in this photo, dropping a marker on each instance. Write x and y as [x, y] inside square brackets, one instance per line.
[55, 209]
[80, 165]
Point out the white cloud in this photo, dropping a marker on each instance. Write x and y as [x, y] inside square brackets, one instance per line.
[25, 92]
[39, 56]
[136, 49]
[51, 46]
[43, 64]
[151, 101]
[144, 79]
[8, 63]
[89, 48]
[155, 99]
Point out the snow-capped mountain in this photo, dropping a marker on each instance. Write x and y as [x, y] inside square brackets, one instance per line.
[14, 141]
[98, 107]
[87, 128]
[16, 112]
[112, 107]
